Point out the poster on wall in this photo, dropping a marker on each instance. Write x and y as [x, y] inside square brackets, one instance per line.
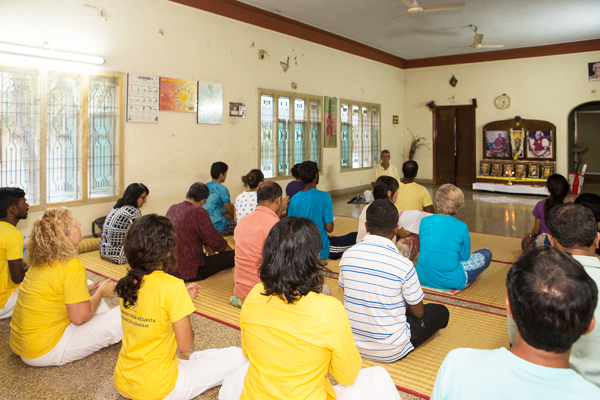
[594, 71]
[330, 122]
[540, 144]
[143, 92]
[210, 103]
[496, 143]
[178, 95]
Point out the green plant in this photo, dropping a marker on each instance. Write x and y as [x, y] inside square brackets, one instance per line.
[415, 144]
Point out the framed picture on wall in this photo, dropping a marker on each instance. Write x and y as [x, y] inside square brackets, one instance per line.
[509, 170]
[496, 144]
[539, 144]
[594, 71]
[521, 171]
[496, 169]
[485, 168]
[534, 171]
[547, 170]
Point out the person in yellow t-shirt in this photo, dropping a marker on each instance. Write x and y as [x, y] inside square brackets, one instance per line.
[384, 169]
[155, 361]
[13, 208]
[58, 317]
[411, 195]
[293, 335]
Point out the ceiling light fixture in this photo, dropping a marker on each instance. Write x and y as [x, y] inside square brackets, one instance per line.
[46, 52]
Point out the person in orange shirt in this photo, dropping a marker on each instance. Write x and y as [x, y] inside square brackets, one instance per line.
[293, 335]
[250, 235]
[155, 361]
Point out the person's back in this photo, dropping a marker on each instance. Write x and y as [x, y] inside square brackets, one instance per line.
[411, 195]
[552, 300]
[317, 206]
[498, 375]
[445, 241]
[215, 204]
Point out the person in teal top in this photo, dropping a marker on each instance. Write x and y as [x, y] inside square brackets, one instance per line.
[218, 204]
[552, 300]
[317, 206]
[445, 259]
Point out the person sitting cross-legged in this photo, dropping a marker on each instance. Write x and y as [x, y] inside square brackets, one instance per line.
[572, 229]
[552, 300]
[293, 335]
[382, 293]
[250, 235]
[411, 195]
[445, 259]
[194, 229]
[218, 204]
[317, 206]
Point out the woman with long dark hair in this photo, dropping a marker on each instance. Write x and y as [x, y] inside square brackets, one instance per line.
[59, 318]
[291, 330]
[156, 361]
[118, 221]
[558, 187]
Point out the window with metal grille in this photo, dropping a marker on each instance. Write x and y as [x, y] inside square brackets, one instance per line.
[60, 135]
[360, 134]
[290, 131]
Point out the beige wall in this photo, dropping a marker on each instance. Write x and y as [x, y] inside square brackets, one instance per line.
[544, 88]
[196, 45]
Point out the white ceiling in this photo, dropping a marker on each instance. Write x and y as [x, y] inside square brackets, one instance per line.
[514, 23]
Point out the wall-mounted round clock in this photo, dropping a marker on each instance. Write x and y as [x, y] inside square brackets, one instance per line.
[503, 101]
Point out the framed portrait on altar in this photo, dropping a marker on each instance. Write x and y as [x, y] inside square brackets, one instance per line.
[497, 144]
[509, 170]
[485, 168]
[496, 169]
[539, 144]
[547, 171]
[534, 171]
[521, 171]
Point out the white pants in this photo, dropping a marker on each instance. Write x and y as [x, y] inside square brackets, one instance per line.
[9, 306]
[205, 370]
[371, 383]
[78, 342]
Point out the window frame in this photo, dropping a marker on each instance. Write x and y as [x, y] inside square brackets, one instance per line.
[82, 131]
[292, 96]
[360, 105]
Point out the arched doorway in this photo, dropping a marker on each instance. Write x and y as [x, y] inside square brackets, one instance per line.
[584, 133]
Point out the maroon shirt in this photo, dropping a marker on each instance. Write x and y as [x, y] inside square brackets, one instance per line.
[193, 227]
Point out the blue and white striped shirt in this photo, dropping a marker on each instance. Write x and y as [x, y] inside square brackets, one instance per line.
[377, 281]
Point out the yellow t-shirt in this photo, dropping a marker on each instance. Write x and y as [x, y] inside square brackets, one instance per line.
[147, 367]
[292, 346]
[412, 196]
[379, 171]
[11, 248]
[40, 317]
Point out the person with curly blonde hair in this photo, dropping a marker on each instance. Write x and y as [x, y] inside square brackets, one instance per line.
[58, 317]
[445, 259]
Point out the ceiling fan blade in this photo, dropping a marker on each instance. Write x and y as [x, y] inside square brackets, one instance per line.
[400, 17]
[444, 8]
[492, 46]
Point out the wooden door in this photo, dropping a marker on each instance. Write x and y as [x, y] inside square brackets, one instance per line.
[454, 145]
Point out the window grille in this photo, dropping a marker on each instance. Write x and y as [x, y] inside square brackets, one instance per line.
[360, 134]
[299, 122]
[68, 123]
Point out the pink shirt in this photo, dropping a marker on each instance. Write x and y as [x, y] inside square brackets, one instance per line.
[250, 235]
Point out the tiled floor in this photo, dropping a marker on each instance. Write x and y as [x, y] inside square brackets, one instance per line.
[91, 378]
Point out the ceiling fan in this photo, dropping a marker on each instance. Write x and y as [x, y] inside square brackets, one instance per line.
[413, 7]
[478, 38]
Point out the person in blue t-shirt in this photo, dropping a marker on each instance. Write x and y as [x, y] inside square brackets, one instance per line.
[445, 259]
[552, 300]
[317, 206]
[218, 205]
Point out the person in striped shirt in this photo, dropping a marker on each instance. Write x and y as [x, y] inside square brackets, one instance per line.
[382, 293]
